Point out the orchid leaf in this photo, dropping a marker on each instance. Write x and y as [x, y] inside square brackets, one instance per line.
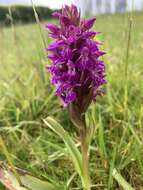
[71, 147]
[29, 182]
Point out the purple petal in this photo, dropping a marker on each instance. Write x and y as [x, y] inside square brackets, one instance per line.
[87, 24]
[56, 15]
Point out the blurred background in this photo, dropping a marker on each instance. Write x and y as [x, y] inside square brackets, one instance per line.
[87, 7]
[94, 7]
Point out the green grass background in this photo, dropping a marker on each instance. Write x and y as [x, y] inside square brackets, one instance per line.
[26, 97]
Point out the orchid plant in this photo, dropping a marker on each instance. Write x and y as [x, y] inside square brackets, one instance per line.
[78, 74]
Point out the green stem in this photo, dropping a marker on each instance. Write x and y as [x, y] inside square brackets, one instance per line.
[85, 160]
[78, 119]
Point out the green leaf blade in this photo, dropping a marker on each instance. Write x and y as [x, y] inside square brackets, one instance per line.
[72, 149]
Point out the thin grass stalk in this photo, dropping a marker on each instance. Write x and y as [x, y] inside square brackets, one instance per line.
[39, 24]
[12, 27]
[130, 24]
[15, 37]
[125, 130]
[12, 24]
[127, 66]
[112, 164]
[1, 49]
[40, 67]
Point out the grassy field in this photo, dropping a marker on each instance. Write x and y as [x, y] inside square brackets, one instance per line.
[26, 98]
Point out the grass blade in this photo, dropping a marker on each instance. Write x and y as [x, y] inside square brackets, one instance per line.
[101, 138]
[112, 164]
[121, 180]
[38, 23]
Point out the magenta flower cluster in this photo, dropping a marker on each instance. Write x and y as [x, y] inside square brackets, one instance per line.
[77, 72]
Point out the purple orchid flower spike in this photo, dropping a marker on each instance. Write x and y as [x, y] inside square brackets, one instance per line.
[76, 69]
